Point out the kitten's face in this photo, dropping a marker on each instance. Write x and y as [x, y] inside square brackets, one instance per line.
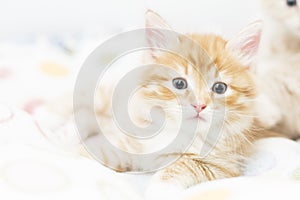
[284, 12]
[204, 84]
[208, 86]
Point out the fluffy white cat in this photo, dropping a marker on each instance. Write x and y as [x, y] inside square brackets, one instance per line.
[278, 66]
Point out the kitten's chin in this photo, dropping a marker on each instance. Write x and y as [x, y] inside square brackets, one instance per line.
[196, 124]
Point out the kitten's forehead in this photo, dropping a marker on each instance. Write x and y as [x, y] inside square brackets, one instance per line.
[203, 72]
[202, 60]
[206, 60]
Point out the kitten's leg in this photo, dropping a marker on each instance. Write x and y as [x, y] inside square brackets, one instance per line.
[186, 172]
[58, 115]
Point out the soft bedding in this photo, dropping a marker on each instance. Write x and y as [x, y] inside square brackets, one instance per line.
[38, 163]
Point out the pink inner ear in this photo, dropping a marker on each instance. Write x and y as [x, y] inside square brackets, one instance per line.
[156, 36]
[251, 46]
[155, 39]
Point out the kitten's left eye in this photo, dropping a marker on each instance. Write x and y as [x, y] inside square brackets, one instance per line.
[291, 2]
[219, 88]
[180, 83]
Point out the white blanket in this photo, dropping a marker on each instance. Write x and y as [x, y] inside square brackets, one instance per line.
[33, 167]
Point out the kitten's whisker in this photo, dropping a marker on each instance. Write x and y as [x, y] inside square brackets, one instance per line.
[251, 129]
[236, 128]
[244, 115]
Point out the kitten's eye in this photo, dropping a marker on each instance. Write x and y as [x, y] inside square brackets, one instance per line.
[291, 2]
[180, 83]
[219, 88]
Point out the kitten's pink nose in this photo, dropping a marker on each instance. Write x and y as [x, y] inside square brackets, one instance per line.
[199, 108]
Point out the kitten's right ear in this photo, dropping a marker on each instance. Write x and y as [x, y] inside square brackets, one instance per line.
[159, 34]
[245, 44]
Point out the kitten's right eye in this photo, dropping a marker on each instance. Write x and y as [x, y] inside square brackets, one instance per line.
[180, 83]
[291, 2]
[219, 88]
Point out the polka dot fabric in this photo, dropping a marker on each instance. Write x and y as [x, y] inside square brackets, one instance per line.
[34, 167]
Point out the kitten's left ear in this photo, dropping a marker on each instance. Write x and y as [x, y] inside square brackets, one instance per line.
[154, 20]
[245, 45]
[159, 34]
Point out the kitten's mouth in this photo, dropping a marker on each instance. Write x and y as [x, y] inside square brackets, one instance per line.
[198, 117]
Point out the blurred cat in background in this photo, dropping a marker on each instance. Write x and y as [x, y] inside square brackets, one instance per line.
[278, 64]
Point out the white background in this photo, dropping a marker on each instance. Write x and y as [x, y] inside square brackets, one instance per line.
[68, 16]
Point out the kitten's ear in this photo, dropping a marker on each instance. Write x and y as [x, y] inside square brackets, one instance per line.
[159, 34]
[154, 20]
[245, 44]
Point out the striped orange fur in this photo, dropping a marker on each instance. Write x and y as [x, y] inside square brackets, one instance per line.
[230, 113]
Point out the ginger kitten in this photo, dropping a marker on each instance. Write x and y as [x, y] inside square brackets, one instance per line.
[223, 85]
[217, 93]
